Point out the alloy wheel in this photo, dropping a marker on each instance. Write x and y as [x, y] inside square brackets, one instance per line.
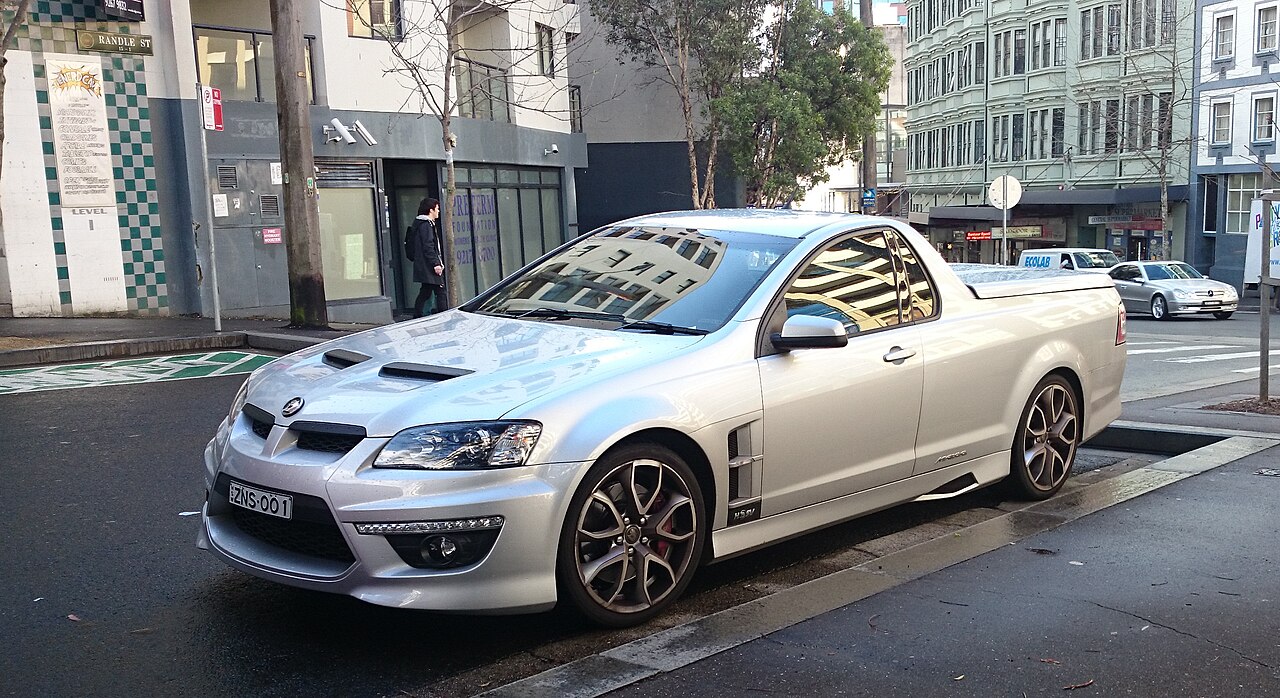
[1050, 434]
[1159, 308]
[635, 536]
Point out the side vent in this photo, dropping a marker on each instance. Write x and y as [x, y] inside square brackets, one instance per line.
[228, 177]
[744, 477]
[400, 369]
[343, 358]
[269, 205]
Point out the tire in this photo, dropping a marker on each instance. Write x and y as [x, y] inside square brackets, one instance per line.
[1223, 314]
[633, 536]
[1044, 446]
[1159, 308]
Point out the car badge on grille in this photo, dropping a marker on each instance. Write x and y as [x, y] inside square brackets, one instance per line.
[292, 407]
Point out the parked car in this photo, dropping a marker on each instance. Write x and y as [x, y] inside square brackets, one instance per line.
[1165, 289]
[667, 391]
[1070, 258]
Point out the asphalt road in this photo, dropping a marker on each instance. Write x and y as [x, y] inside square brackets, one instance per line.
[1185, 353]
[106, 594]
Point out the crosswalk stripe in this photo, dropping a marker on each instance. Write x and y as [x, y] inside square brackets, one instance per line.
[1184, 347]
[1216, 357]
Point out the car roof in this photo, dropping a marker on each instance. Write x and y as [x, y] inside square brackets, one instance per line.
[766, 221]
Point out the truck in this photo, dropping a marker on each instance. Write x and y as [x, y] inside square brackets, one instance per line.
[661, 393]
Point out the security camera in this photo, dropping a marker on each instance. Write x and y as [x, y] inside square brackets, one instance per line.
[553, 149]
[343, 134]
[364, 133]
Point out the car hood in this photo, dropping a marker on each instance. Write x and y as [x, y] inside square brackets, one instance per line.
[1217, 287]
[451, 367]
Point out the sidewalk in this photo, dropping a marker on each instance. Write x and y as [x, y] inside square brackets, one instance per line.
[27, 341]
[1158, 581]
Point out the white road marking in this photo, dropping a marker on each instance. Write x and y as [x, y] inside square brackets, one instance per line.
[1216, 357]
[1183, 347]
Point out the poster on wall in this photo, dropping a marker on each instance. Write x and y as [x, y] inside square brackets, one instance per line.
[124, 9]
[81, 143]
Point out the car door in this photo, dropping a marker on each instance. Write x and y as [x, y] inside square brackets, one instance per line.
[1128, 282]
[842, 420]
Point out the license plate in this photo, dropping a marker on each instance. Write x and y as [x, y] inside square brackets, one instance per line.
[261, 501]
[1212, 303]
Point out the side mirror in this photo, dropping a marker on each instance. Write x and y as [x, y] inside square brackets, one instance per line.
[810, 332]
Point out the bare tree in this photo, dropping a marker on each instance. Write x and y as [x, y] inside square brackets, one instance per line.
[10, 26]
[446, 79]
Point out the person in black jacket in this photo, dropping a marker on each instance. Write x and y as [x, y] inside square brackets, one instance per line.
[423, 247]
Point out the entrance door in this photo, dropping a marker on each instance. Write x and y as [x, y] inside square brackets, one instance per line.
[1138, 248]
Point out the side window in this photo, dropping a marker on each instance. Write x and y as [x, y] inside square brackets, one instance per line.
[914, 287]
[852, 281]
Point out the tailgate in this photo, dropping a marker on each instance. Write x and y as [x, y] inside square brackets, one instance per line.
[993, 281]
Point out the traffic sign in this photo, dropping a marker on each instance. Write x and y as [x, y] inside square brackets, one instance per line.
[211, 107]
[1005, 192]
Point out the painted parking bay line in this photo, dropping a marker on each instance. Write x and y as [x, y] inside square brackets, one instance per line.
[1183, 347]
[126, 371]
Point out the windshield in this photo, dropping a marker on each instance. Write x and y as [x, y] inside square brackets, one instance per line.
[1100, 259]
[686, 278]
[1172, 270]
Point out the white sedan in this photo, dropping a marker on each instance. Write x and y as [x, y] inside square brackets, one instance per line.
[663, 392]
[1165, 289]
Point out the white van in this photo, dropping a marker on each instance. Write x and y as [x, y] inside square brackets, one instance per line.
[1074, 258]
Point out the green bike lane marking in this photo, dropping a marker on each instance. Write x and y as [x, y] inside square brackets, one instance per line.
[126, 371]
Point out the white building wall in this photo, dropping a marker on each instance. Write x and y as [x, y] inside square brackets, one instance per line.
[28, 270]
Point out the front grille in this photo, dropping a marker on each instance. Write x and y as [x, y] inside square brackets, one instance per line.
[302, 537]
[262, 429]
[312, 531]
[328, 443]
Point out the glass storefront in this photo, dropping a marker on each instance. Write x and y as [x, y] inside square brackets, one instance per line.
[348, 244]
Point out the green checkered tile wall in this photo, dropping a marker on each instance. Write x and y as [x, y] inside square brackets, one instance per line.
[51, 28]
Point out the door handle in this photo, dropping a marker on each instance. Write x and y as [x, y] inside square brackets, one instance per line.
[897, 355]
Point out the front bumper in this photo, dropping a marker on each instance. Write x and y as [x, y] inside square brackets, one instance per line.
[1192, 306]
[516, 575]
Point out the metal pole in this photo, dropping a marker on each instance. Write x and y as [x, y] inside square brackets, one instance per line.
[1264, 299]
[208, 191]
[1004, 221]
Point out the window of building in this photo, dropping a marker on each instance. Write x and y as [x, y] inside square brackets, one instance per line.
[1145, 121]
[1060, 42]
[482, 91]
[546, 51]
[575, 108]
[1019, 135]
[241, 63]
[980, 62]
[1242, 189]
[1036, 41]
[1149, 22]
[1167, 21]
[1098, 35]
[1221, 134]
[979, 142]
[1267, 29]
[1086, 34]
[1113, 30]
[1082, 129]
[1019, 51]
[998, 63]
[1224, 37]
[1165, 138]
[1135, 24]
[374, 19]
[1059, 132]
[1111, 142]
[1132, 109]
[1264, 112]
[1095, 125]
[1211, 203]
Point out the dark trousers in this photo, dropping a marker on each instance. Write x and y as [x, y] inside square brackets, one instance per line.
[425, 293]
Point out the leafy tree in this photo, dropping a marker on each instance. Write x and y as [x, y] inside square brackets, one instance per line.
[811, 105]
[702, 49]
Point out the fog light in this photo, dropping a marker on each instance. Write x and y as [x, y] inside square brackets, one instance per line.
[449, 551]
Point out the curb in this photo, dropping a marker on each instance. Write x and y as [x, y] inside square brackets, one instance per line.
[124, 348]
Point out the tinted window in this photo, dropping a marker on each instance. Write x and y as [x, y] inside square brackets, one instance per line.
[1126, 273]
[690, 278]
[852, 281]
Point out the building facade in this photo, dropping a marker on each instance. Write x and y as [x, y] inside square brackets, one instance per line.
[103, 107]
[1235, 123]
[1087, 103]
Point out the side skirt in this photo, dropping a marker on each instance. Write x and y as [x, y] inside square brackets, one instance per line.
[736, 540]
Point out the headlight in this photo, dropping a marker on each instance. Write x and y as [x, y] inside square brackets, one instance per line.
[462, 446]
[1182, 293]
[238, 403]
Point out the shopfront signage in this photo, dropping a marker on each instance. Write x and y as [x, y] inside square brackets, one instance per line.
[111, 42]
[1021, 232]
[124, 9]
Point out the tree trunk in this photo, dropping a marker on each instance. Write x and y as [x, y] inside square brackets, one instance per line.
[452, 284]
[307, 307]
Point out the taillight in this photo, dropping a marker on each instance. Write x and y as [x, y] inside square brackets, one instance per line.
[1121, 318]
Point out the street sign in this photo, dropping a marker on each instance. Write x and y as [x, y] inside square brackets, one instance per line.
[211, 107]
[1005, 192]
[868, 197]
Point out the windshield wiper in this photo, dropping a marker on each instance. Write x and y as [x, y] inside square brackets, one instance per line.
[660, 327]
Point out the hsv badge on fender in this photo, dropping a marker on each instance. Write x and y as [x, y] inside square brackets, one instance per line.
[653, 396]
